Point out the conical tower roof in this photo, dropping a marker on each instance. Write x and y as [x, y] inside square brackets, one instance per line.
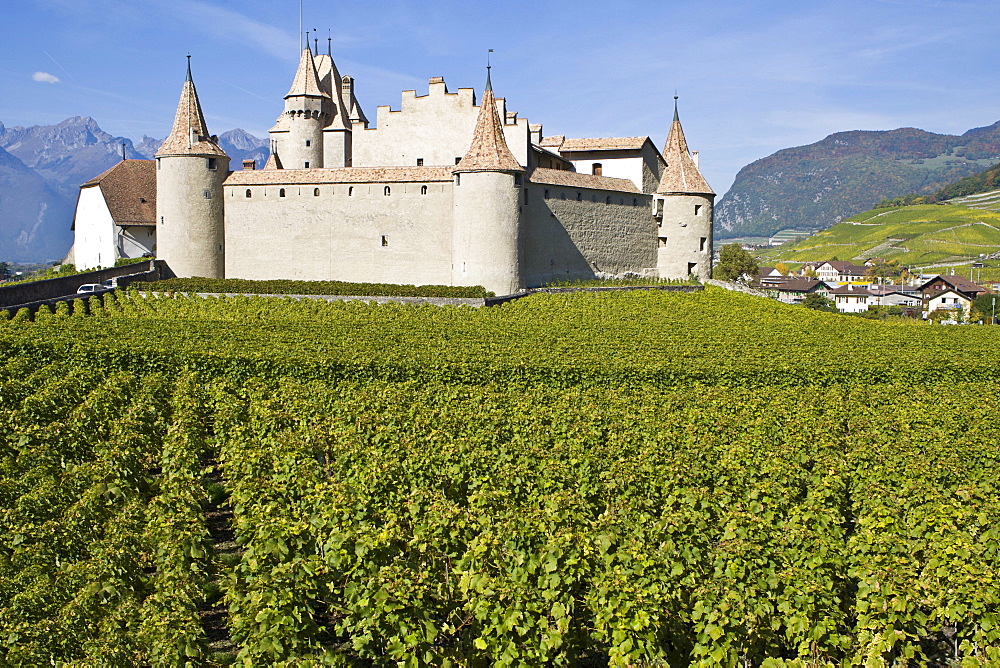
[681, 175]
[306, 80]
[489, 151]
[189, 135]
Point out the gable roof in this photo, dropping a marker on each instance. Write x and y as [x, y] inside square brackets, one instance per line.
[797, 285]
[959, 282]
[851, 290]
[603, 144]
[845, 267]
[564, 177]
[129, 189]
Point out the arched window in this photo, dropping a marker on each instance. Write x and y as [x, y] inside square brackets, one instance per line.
[423, 190]
[281, 193]
[387, 192]
[248, 193]
[315, 192]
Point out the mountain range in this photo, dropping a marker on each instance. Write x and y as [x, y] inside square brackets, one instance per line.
[42, 167]
[815, 186]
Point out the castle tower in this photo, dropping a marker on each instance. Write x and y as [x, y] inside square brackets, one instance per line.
[298, 136]
[487, 229]
[336, 110]
[683, 207]
[190, 169]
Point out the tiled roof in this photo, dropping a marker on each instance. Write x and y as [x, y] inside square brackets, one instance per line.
[249, 177]
[851, 290]
[129, 189]
[603, 144]
[489, 151]
[680, 175]
[555, 141]
[306, 81]
[563, 177]
[796, 285]
[189, 135]
[843, 266]
[959, 282]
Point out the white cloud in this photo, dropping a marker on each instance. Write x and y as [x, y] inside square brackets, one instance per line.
[45, 77]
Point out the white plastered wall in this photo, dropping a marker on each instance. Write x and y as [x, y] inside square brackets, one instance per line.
[94, 241]
[339, 236]
[436, 128]
[621, 168]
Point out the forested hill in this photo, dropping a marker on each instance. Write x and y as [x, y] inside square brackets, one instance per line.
[817, 185]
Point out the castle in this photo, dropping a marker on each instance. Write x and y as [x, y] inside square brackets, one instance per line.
[441, 191]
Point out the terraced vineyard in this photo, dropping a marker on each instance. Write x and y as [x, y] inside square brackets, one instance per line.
[915, 235]
[589, 479]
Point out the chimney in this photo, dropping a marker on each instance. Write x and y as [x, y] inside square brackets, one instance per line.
[536, 133]
[694, 154]
[249, 164]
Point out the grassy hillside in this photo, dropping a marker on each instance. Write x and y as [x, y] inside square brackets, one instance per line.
[915, 235]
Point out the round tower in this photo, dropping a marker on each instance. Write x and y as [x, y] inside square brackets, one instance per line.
[306, 111]
[190, 170]
[684, 211]
[486, 223]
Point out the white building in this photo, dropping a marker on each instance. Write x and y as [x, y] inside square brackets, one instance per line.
[116, 215]
[851, 299]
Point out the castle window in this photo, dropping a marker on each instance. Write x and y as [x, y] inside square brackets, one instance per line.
[517, 180]
[597, 169]
[546, 193]
[697, 209]
[607, 200]
[385, 240]
[308, 143]
[458, 160]
[213, 163]
[458, 179]
[593, 197]
[161, 220]
[315, 192]
[579, 197]
[281, 193]
[420, 162]
[701, 246]
[149, 232]
[157, 163]
[663, 242]
[525, 195]
[220, 248]
[207, 193]
[350, 191]
[621, 200]
[692, 267]
[562, 195]
[249, 194]
[635, 202]
[387, 192]
[423, 190]
[307, 165]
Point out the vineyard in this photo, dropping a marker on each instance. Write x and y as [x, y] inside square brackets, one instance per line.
[643, 478]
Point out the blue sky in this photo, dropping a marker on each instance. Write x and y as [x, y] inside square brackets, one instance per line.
[753, 77]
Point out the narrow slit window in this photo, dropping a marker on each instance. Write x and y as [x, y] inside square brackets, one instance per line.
[385, 240]
[525, 195]
[308, 143]
[546, 193]
[281, 193]
[420, 162]
[249, 194]
[423, 190]
[697, 209]
[387, 192]
[350, 191]
[701, 245]
[307, 164]
[458, 160]
[315, 192]
[207, 193]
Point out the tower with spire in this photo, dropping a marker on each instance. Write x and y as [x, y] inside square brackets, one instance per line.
[297, 138]
[190, 170]
[487, 222]
[683, 208]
